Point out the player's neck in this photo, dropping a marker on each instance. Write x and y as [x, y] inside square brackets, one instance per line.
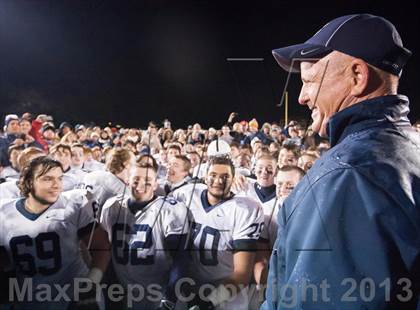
[213, 200]
[33, 205]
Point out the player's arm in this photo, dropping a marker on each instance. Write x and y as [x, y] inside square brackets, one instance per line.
[243, 264]
[99, 248]
[245, 238]
[94, 238]
[177, 227]
[181, 259]
[262, 257]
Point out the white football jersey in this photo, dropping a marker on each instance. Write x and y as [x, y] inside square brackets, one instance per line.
[79, 175]
[270, 205]
[216, 232]
[45, 247]
[9, 173]
[138, 240]
[200, 171]
[93, 165]
[104, 185]
[70, 181]
[9, 190]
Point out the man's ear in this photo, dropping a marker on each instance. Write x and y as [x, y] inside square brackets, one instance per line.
[359, 74]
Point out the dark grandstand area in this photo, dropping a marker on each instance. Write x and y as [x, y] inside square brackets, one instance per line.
[129, 62]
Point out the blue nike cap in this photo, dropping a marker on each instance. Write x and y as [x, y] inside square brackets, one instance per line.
[371, 38]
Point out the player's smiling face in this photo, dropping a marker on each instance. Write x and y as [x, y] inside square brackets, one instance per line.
[219, 180]
[287, 158]
[47, 187]
[143, 183]
[265, 170]
[286, 182]
[176, 171]
[77, 157]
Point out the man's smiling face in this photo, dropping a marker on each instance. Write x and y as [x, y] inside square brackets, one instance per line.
[325, 88]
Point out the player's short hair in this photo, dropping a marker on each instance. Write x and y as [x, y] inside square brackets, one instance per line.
[246, 147]
[144, 165]
[14, 147]
[234, 144]
[87, 150]
[60, 146]
[300, 171]
[127, 142]
[23, 158]
[27, 177]
[267, 157]
[186, 162]
[294, 149]
[263, 151]
[144, 159]
[221, 160]
[80, 145]
[175, 147]
[310, 155]
[193, 153]
[117, 159]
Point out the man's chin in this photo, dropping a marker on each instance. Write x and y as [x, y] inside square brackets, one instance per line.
[320, 128]
[218, 194]
[52, 201]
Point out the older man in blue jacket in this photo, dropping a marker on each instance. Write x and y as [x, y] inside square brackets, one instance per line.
[349, 234]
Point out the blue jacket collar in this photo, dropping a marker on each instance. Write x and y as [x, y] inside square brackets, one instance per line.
[368, 113]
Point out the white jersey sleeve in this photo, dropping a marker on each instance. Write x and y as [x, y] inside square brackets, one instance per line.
[104, 185]
[105, 219]
[249, 219]
[9, 190]
[185, 193]
[175, 220]
[84, 207]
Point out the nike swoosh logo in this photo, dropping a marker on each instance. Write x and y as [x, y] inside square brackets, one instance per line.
[303, 52]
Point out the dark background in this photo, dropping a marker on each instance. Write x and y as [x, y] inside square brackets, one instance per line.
[133, 61]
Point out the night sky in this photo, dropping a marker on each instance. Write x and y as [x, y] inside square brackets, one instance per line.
[129, 62]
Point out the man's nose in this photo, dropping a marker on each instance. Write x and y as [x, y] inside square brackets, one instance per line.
[303, 97]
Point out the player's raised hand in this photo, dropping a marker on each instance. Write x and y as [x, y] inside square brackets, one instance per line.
[239, 184]
[232, 116]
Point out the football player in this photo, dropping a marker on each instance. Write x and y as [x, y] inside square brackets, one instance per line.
[147, 233]
[177, 174]
[113, 181]
[223, 239]
[62, 153]
[41, 232]
[286, 180]
[263, 190]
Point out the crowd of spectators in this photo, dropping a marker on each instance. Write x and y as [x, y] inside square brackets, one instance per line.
[293, 144]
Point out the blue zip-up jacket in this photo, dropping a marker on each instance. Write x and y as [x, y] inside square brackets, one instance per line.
[349, 233]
